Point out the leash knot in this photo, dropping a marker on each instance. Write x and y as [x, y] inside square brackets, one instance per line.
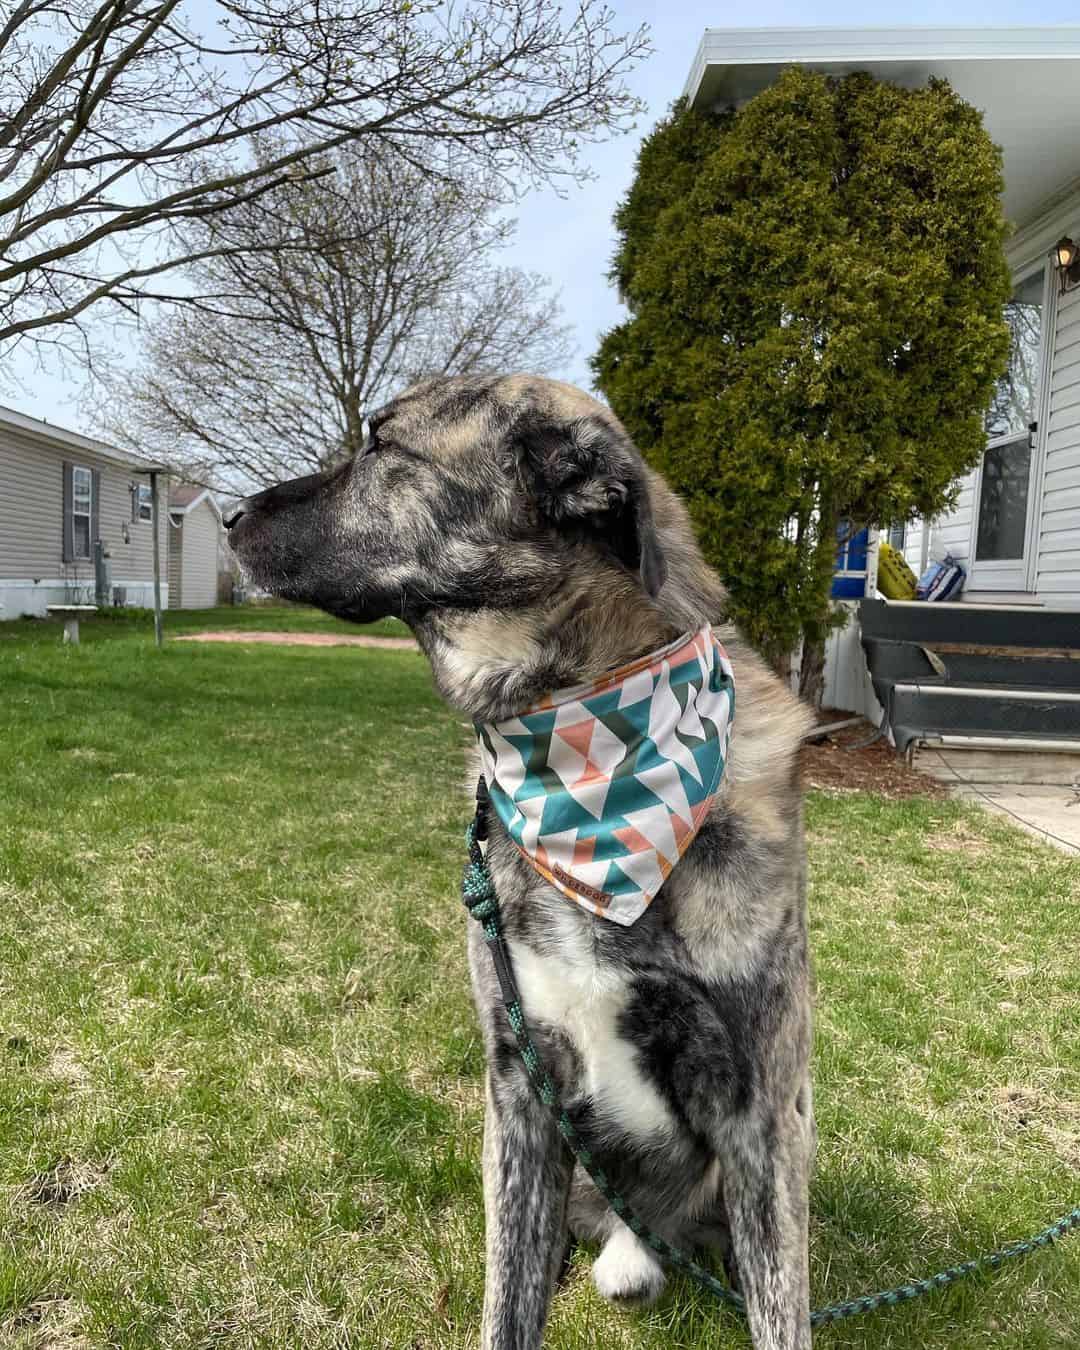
[477, 887]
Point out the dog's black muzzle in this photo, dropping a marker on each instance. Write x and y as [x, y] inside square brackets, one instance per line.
[290, 493]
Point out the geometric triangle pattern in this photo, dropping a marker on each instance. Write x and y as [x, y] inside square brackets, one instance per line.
[604, 786]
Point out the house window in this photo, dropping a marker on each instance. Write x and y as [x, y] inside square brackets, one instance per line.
[1003, 501]
[144, 502]
[898, 535]
[1016, 399]
[82, 505]
[1005, 481]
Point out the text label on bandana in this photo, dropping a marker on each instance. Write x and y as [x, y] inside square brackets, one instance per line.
[603, 787]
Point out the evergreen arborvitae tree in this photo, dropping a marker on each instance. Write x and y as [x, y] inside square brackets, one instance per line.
[816, 285]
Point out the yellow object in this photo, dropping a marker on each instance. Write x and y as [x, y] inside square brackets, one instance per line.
[895, 579]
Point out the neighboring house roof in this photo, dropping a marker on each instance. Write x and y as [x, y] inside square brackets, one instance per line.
[1025, 81]
[73, 441]
[185, 497]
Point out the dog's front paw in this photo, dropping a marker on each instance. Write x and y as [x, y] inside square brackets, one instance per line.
[626, 1271]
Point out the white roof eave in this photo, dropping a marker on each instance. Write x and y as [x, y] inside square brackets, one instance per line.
[63, 439]
[205, 496]
[797, 46]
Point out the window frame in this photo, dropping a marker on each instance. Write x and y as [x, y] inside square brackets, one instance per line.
[78, 513]
[1019, 574]
[143, 499]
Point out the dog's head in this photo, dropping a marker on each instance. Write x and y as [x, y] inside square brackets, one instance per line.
[470, 493]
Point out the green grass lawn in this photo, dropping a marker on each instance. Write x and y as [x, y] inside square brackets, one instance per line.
[129, 623]
[240, 1080]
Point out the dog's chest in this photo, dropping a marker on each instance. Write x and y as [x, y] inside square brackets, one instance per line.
[572, 990]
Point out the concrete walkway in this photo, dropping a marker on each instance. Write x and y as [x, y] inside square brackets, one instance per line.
[1049, 813]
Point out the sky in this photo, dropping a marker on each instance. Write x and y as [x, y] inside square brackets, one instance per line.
[570, 238]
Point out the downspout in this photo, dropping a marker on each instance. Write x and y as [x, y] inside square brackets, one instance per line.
[155, 518]
[873, 545]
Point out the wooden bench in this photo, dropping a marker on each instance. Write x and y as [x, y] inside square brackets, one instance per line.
[71, 615]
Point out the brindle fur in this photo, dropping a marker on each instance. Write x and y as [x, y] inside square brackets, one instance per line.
[511, 523]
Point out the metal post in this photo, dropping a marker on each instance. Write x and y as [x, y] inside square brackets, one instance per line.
[873, 547]
[159, 636]
[102, 596]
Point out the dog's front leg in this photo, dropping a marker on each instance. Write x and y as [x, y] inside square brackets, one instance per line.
[527, 1172]
[765, 1192]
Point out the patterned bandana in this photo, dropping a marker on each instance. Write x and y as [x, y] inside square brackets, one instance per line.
[603, 787]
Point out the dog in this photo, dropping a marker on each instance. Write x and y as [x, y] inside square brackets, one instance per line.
[512, 524]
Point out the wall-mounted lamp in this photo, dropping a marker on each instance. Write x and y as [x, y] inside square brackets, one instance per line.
[1066, 256]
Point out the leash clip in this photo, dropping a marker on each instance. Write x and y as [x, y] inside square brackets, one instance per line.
[483, 798]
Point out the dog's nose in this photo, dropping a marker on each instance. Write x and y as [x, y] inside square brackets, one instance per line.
[240, 509]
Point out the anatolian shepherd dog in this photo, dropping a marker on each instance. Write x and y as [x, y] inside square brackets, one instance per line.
[511, 523]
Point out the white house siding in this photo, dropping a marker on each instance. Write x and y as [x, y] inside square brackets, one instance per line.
[33, 573]
[1058, 528]
[951, 532]
[913, 537]
[199, 553]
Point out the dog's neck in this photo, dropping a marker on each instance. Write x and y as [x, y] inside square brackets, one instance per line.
[493, 663]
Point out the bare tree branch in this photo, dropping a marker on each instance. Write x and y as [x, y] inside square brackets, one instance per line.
[363, 281]
[122, 120]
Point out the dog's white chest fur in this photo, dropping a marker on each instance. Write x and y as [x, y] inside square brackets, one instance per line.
[584, 1001]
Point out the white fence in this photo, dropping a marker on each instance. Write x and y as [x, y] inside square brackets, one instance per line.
[847, 679]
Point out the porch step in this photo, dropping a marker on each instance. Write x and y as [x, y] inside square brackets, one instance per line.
[964, 761]
[984, 625]
[983, 671]
[973, 664]
[920, 710]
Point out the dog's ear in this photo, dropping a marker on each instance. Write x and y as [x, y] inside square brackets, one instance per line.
[586, 475]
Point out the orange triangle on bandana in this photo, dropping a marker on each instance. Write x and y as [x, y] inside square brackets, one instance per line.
[634, 840]
[584, 849]
[578, 735]
[593, 774]
[683, 831]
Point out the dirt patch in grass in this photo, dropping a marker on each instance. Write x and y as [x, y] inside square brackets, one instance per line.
[843, 762]
[1058, 1121]
[303, 639]
[44, 1324]
[62, 1183]
[64, 1067]
[957, 838]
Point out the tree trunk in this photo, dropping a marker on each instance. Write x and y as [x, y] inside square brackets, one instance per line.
[812, 670]
[779, 659]
[816, 630]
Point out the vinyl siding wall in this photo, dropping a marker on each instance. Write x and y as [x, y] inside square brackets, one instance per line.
[913, 545]
[951, 533]
[31, 527]
[199, 558]
[1058, 521]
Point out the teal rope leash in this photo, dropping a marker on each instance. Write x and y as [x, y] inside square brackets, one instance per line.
[478, 893]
